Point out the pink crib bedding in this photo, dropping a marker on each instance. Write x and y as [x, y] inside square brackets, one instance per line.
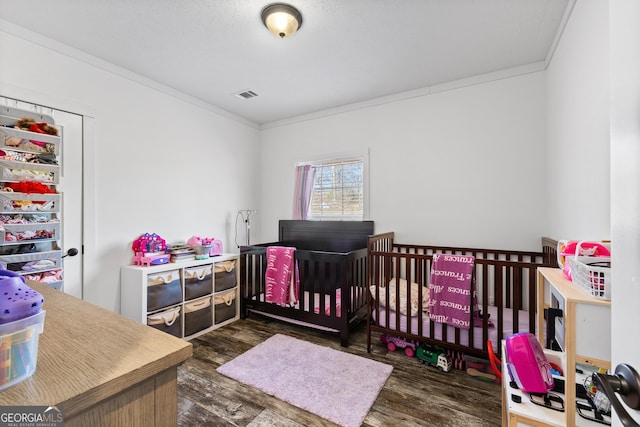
[523, 326]
[313, 302]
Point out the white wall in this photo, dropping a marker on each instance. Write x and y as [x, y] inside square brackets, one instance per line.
[578, 189]
[459, 167]
[161, 164]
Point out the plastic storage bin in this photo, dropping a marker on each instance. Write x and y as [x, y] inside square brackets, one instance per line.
[592, 275]
[19, 349]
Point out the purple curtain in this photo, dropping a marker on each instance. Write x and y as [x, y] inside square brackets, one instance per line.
[303, 191]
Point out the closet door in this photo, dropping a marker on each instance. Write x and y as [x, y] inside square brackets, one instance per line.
[70, 188]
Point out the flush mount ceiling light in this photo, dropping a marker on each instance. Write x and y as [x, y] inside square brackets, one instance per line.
[281, 19]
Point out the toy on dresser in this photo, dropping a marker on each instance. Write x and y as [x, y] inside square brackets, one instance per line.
[205, 247]
[150, 249]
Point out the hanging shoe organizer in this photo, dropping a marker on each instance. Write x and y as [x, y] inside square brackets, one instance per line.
[30, 204]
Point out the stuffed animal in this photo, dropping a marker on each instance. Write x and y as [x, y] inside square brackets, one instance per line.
[28, 123]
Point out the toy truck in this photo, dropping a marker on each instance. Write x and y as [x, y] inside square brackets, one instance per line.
[393, 342]
[434, 356]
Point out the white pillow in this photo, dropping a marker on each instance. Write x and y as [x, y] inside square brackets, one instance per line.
[402, 307]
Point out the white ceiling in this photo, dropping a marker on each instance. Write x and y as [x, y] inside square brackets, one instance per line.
[347, 51]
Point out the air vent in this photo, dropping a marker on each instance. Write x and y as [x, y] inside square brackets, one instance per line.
[247, 94]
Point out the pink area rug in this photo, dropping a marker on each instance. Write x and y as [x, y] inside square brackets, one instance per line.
[337, 386]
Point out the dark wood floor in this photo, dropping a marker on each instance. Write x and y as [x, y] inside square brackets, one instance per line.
[414, 395]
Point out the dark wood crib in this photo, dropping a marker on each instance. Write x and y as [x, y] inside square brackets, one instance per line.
[505, 284]
[332, 263]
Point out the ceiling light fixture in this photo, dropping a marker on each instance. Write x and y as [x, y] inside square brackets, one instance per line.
[281, 19]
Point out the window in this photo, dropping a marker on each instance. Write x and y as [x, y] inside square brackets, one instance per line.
[338, 190]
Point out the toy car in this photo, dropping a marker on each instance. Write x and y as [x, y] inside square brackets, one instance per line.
[434, 356]
[398, 342]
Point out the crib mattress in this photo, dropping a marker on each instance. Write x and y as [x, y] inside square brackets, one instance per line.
[314, 303]
[523, 325]
[307, 307]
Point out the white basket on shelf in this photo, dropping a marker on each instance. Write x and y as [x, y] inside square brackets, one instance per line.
[592, 275]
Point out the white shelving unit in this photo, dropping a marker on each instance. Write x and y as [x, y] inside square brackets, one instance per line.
[186, 299]
[586, 330]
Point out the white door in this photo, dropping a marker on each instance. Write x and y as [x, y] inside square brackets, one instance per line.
[70, 187]
[625, 185]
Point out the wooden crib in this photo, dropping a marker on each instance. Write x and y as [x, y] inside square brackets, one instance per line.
[332, 263]
[505, 285]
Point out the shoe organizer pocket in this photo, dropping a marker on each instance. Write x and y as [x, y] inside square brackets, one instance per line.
[29, 232]
[168, 321]
[163, 289]
[24, 203]
[198, 281]
[23, 171]
[197, 316]
[32, 262]
[32, 142]
[225, 275]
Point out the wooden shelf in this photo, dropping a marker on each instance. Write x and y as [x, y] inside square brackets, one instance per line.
[587, 328]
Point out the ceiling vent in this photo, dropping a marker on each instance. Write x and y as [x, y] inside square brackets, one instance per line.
[247, 94]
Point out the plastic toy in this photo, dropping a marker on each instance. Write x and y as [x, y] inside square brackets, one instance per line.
[528, 364]
[149, 249]
[397, 342]
[434, 356]
[571, 248]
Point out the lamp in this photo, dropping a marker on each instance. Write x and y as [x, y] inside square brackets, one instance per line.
[281, 19]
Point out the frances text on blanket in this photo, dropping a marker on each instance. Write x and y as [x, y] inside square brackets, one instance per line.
[462, 307]
[459, 258]
[455, 290]
[458, 276]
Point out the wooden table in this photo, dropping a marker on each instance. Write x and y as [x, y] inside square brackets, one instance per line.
[101, 368]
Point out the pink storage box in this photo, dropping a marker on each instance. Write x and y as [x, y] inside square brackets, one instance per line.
[216, 248]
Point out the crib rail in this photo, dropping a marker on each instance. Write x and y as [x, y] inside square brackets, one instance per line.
[321, 275]
[504, 279]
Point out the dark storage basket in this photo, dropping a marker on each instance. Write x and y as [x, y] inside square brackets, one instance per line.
[168, 321]
[226, 306]
[197, 316]
[198, 281]
[225, 275]
[163, 290]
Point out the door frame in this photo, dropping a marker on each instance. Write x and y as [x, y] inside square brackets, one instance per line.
[56, 102]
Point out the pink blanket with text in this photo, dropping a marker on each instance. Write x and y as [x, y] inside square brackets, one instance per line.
[281, 278]
[451, 290]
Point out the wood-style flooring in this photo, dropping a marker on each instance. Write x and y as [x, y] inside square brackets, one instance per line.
[414, 395]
